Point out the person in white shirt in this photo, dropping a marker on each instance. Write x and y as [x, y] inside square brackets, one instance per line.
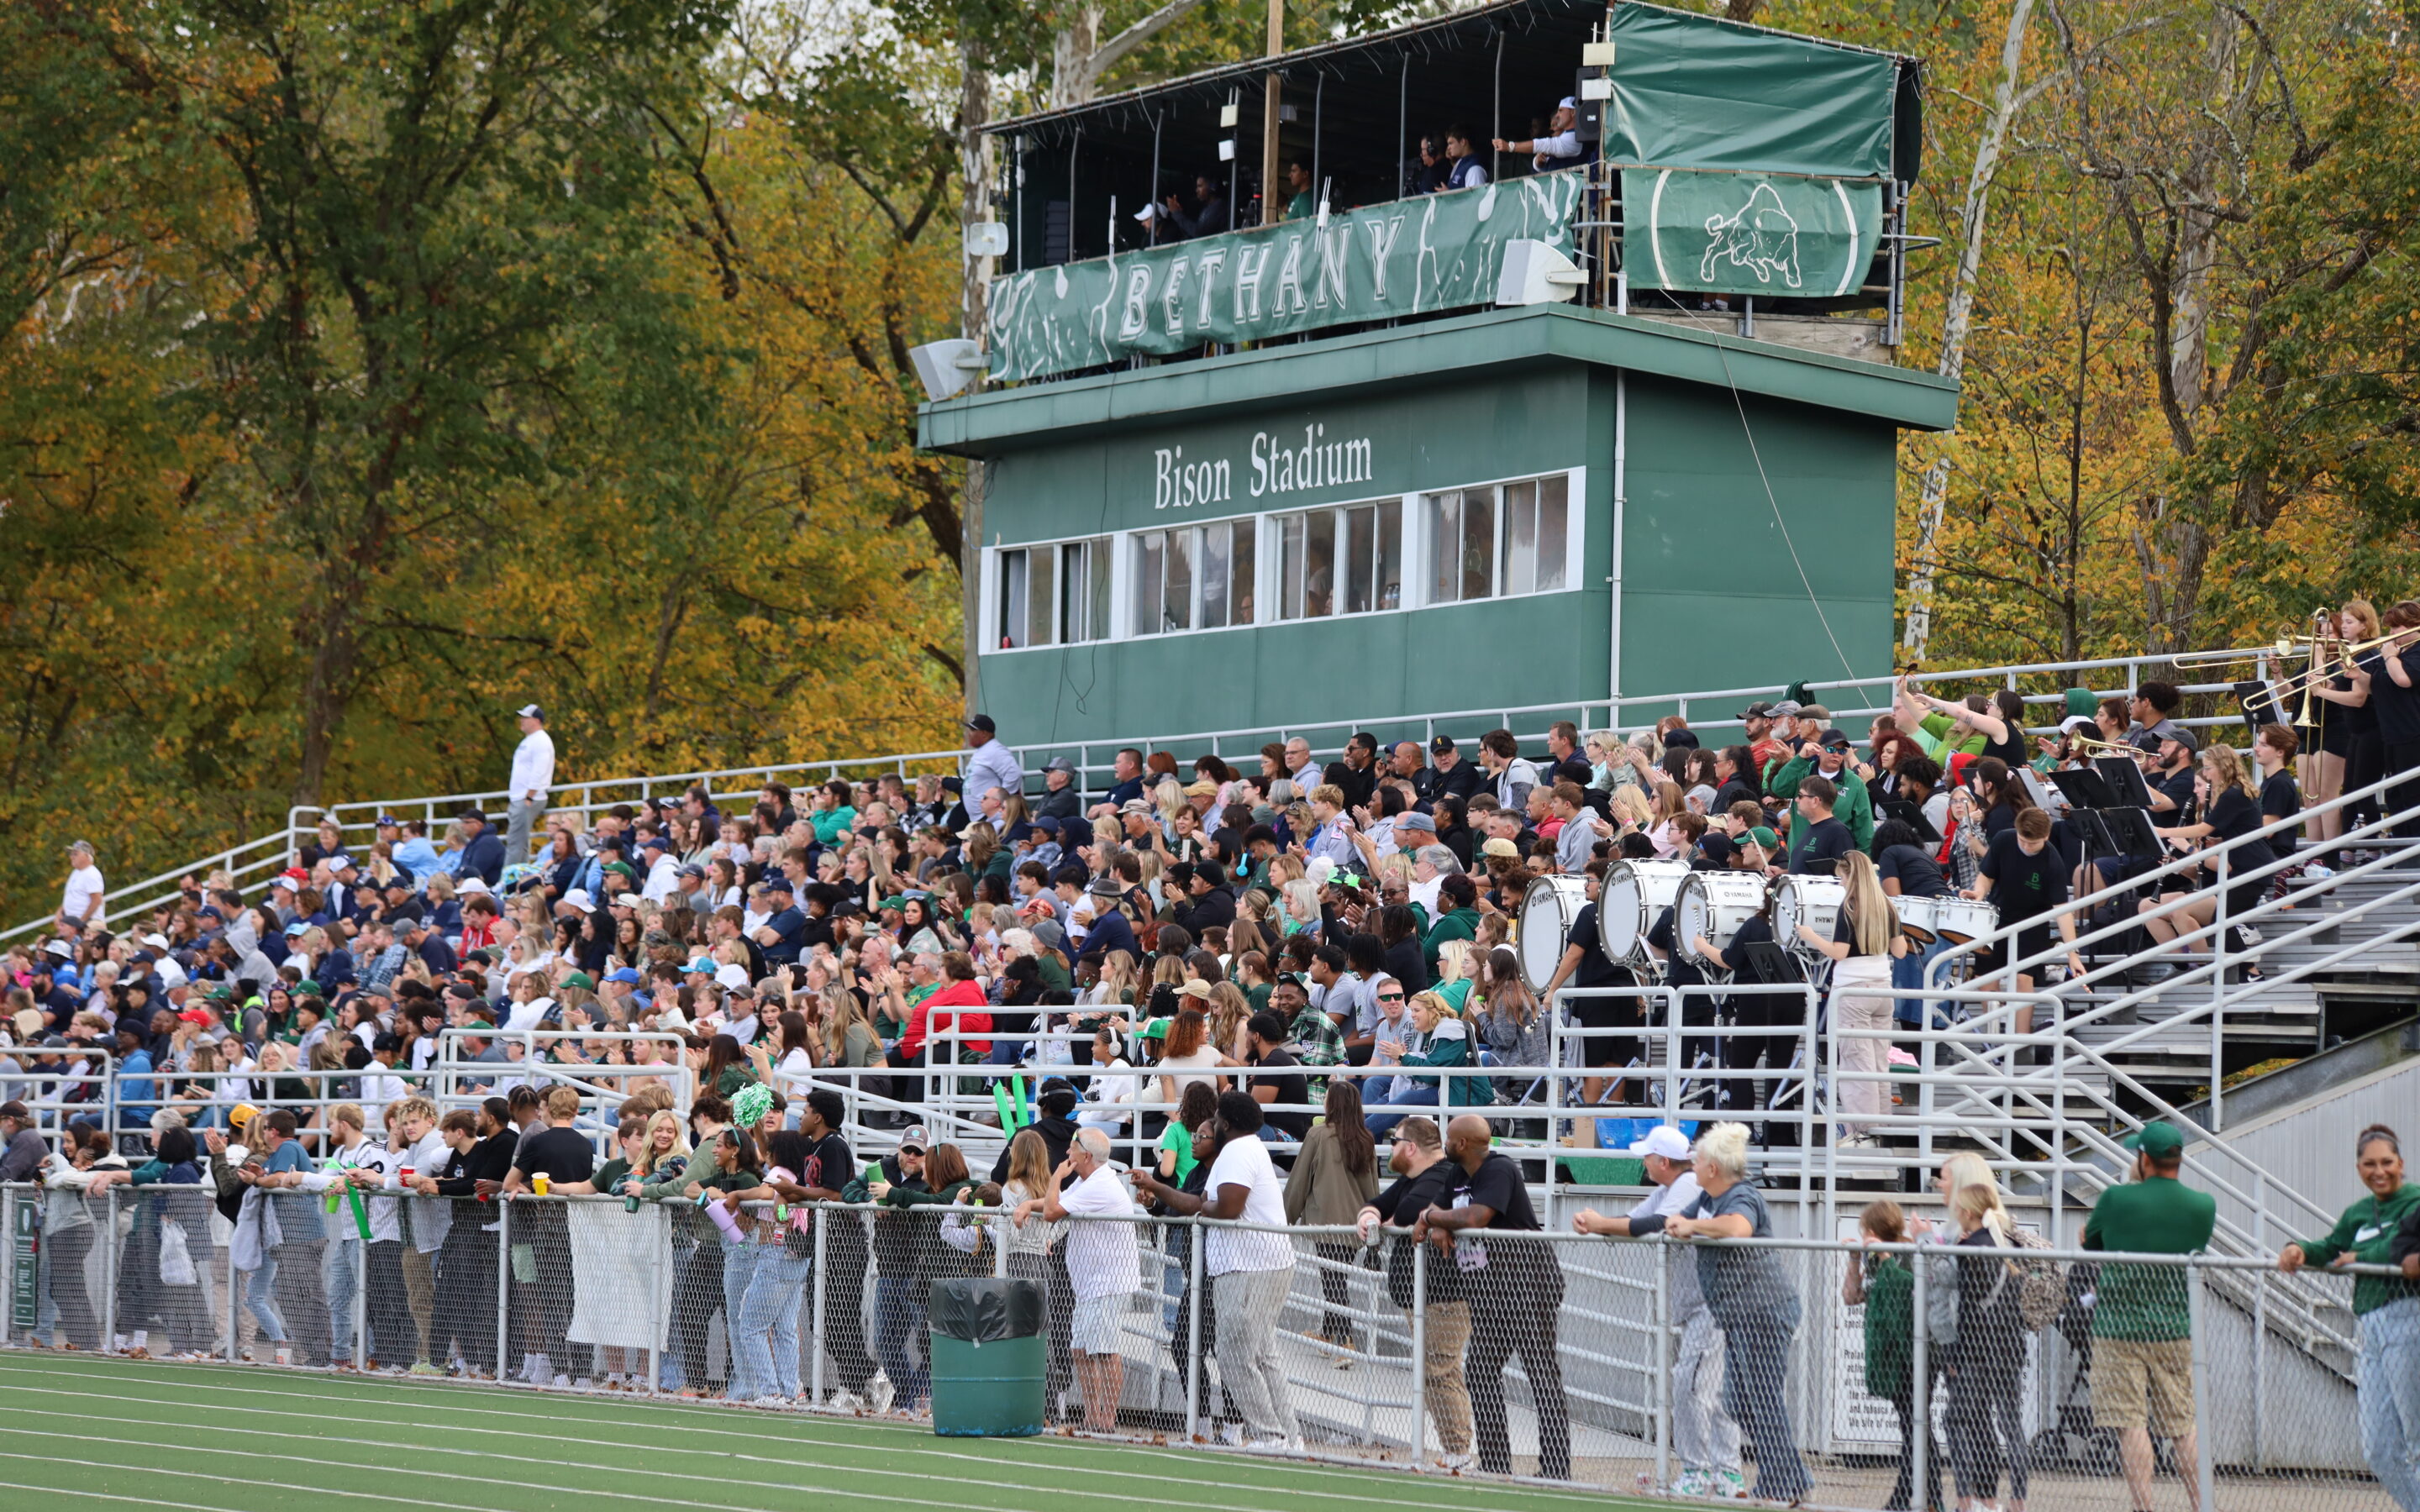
[989, 764]
[1560, 147]
[82, 900]
[1251, 1270]
[353, 1152]
[414, 1149]
[533, 775]
[1703, 1434]
[1102, 1268]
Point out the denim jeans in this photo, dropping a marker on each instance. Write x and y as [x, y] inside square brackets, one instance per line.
[898, 1319]
[1908, 972]
[344, 1283]
[1409, 1096]
[2390, 1399]
[738, 1269]
[764, 1331]
[260, 1295]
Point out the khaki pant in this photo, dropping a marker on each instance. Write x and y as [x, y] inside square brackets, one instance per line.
[1444, 1335]
[419, 1290]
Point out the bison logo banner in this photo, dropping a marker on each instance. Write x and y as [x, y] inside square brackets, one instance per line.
[1727, 232]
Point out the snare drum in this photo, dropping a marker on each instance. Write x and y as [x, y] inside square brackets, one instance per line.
[1919, 918]
[1814, 901]
[1714, 905]
[1960, 920]
[1633, 893]
[1548, 910]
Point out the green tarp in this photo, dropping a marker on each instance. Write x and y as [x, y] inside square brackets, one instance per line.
[1696, 92]
[1433, 251]
[1738, 233]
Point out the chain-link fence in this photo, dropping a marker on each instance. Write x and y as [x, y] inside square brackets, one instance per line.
[1836, 1371]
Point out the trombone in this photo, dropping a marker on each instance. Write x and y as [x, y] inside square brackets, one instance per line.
[2286, 647]
[2311, 677]
[2094, 745]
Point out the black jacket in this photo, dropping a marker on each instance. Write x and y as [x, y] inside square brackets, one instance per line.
[1057, 1134]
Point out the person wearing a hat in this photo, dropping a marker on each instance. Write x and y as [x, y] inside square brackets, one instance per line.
[1110, 930]
[1062, 796]
[1455, 775]
[1825, 754]
[988, 765]
[81, 899]
[1704, 1438]
[2142, 1325]
[483, 849]
[1560, 147]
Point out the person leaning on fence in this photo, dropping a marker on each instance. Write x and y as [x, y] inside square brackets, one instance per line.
[1703, 1435]
[404, 1239]
[1752, 1301]
[463, 1322]
[842, 1251]
[2142, 1326]
[26, 1151]
[2388, 1307]
[541, 1233]
[779, 1243]
[290, 1280]
[1424, 1178]
[1514, 1286]
[1884, 1286]
[1104, 1268]
[1250, 1270]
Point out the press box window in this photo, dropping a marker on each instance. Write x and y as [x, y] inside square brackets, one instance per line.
[1050, 595]
[1343, 561]
[1199, 577]
[1498, 541]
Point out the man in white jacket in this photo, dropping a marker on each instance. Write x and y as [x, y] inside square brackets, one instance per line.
[533, 775]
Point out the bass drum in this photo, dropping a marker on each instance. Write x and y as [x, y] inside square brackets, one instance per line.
[1814, 901]
[1960, 920]
[1633, 893]
[1919, 918]
[1714, 905]
[1548, 910]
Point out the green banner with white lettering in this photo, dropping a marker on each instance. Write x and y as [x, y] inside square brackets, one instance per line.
[1410, 256]
[1739, 233]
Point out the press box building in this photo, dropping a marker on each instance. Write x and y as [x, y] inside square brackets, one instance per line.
[1485, 448]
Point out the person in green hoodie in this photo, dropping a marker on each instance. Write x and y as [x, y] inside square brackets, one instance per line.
[1458, 898]
[833, 816]
[2387, 1306]
[1827, 757]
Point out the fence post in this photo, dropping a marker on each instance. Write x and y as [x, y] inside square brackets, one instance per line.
[7, 1266]
[109, 1262]
[2218, 1004]
[1919, 1393]
[1193, 1336]
[360, 1298]
[1419, 1354]
[816, 1357]
[1663, 1384]
[234, 1297]
[503, 1284]
[2202, 1471]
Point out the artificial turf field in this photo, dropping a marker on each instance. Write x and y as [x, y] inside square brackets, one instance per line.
[221, 1438]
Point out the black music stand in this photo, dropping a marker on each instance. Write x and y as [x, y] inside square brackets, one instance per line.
[2125, 781]
[2085, 789]
[1912, 815]
[2262, 706]
[1764, 964]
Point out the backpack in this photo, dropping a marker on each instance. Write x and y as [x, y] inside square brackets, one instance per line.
[2042, 1283]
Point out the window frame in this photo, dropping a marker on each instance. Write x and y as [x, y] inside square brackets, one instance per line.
[995, 595]
[1575, 535]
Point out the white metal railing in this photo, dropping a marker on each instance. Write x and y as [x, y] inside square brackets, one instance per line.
[251, 861]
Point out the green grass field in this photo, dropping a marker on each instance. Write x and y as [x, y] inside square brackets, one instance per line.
[218, 1438]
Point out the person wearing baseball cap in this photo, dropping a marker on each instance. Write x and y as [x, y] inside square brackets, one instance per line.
[2142, 1325]
[1456, 777]
[1560, 147]
[989, 765]
[1063, 795]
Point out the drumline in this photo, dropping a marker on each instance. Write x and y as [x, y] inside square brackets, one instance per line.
[1712, 905]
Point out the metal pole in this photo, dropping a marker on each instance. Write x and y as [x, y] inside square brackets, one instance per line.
[1495, 119]
[1193, 1338]
[360, 1301]
[503, 1278]
[1920, 1387]
[2259, 1319]
[1420, 1354]
[2218, 1005]
[109, 1276]
[1405, 153]
[1665, 1403]
[816, 1356]
[2204, 1473]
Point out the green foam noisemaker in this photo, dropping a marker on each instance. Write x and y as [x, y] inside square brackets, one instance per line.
[361, 1212]
[1002, 1106]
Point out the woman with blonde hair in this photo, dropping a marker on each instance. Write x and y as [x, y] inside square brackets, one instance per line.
[1230, 1009]
[1632, 809]
[1302, 908]
[2345, 751]
[1864, 942]
[1453, 979]
[2230, 810]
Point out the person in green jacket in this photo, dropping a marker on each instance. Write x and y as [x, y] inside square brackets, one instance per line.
[1458, 896]
[1829, 757]
[1885, 1287]
[834, 817]
[2388, 1307]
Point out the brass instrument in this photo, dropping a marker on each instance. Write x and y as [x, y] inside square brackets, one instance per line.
[2285, 646]
[2094, 745]
[2313, 676]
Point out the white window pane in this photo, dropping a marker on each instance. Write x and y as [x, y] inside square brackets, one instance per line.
[1477, 543]
[1319, 565]
[1011, 600]
[1042, 594]
[1554, 532]
[1215, 564]
[1290, 566]
[1445, 547]
[1096, 555]
[1177, 612]
[1246, 556]
[1391, 555]
[1149, 549]
[1360, 553]
[1075, 582]
[1520, 537]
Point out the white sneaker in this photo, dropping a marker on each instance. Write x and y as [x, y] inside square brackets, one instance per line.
[1727, 1483]
[1232, 1433]
[1276, 1443]
[769, 1399]
[560, 1381]
[1461, 1461]
[1687, 1483]
[878, 1392]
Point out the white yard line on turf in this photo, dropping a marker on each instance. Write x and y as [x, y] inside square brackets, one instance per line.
[484, 1403]
[232, 1480]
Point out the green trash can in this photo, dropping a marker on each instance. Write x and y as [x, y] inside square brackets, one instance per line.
[990, 1357]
